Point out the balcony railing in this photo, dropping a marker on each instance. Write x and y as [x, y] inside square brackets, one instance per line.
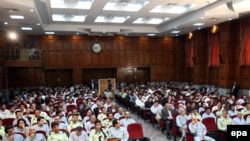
[20, 54]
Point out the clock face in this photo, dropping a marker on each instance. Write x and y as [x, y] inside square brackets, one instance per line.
[96, 48]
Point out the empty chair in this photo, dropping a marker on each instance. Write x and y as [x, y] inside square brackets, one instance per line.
[135, 131]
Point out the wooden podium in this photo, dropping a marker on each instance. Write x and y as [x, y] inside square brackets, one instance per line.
[105, 84]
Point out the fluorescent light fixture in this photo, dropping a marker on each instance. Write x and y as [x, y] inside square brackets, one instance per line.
[68, 18]
[150, 20]
[72, 4]
[151, 34]
[16, 17]
[198, 24]
[241, 6]
[26, 28]
[49, 32]
[125, 5]
[175, 31]
[111, 19]
[172, 8]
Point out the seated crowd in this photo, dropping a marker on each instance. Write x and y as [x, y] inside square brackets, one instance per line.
[62, 114]
[181, 107]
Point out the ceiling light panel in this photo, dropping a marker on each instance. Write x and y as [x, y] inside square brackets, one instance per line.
[69, 4]
[26, 28]
[16, 17]
[125, 5]
[198, 24]
[111, 19]
[173, 8]
[49, 33]
[150, 20]
[175, 31]
[68, 18]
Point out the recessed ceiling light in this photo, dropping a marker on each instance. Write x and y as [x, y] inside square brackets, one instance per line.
[198, 24]
[31, 10]
[202, 17]
[77, 33]
[111, 19]
[124, 5]
[38, 24]
[16, 17]
[149, 20]
[26, 28]
[68, 18]
[75, 4]
[5, 23]
[172, 8]
[229, 19]
[175, 31]
[151, 34]
[49, 32]
[176, 35]
[199, 28]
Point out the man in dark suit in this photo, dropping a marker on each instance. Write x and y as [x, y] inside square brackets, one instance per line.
[235, 89]
[93, 84]
[167, 114]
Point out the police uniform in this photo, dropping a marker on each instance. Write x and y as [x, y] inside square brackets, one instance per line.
[60, 136]
[223, 122]
[107, 123]
[73, 125]
[98, 135]
[101, 116]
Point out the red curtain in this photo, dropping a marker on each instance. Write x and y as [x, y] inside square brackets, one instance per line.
[190, 52]
[213, 56]
[245, 45]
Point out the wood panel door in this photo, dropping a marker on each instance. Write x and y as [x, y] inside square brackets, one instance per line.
[98, 73]
[139, 75]
[58, 77]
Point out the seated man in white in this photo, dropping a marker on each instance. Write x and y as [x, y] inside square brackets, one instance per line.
[239, 120]
[181, 121]
[41, 125]
[199, 130]
[117, 131]
[78, 135]
[127, 120]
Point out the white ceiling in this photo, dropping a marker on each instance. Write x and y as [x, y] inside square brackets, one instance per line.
[209, 12]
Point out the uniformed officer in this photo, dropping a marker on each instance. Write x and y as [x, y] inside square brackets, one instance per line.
[56, 134]
[224, 121]
[101, 116]
[74, 123]
[98, 133]
[108, 121]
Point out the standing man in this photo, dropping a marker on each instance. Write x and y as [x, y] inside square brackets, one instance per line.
[235, 89]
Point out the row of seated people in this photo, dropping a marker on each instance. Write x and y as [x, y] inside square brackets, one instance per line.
[200, 105]
[20, 119]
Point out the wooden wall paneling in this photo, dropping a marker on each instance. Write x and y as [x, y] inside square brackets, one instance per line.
[45, 58]
[67, 58]
[2, 39]
[52, 45]
[129, 57]
[109, 58]
[77, 45]
[95, 59]
[59, 45]
[122, 59]
[75, 58]
[140, 58]
[120, 74]
[66, 45]
[59, 59]
[52, 59]
[116, 60]
[244, 77]
[153, 58]
[135, 58]
[159, 72]
[77, 76]
[159, 58]
[101, 57]
[87, 58]
[147, 58]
